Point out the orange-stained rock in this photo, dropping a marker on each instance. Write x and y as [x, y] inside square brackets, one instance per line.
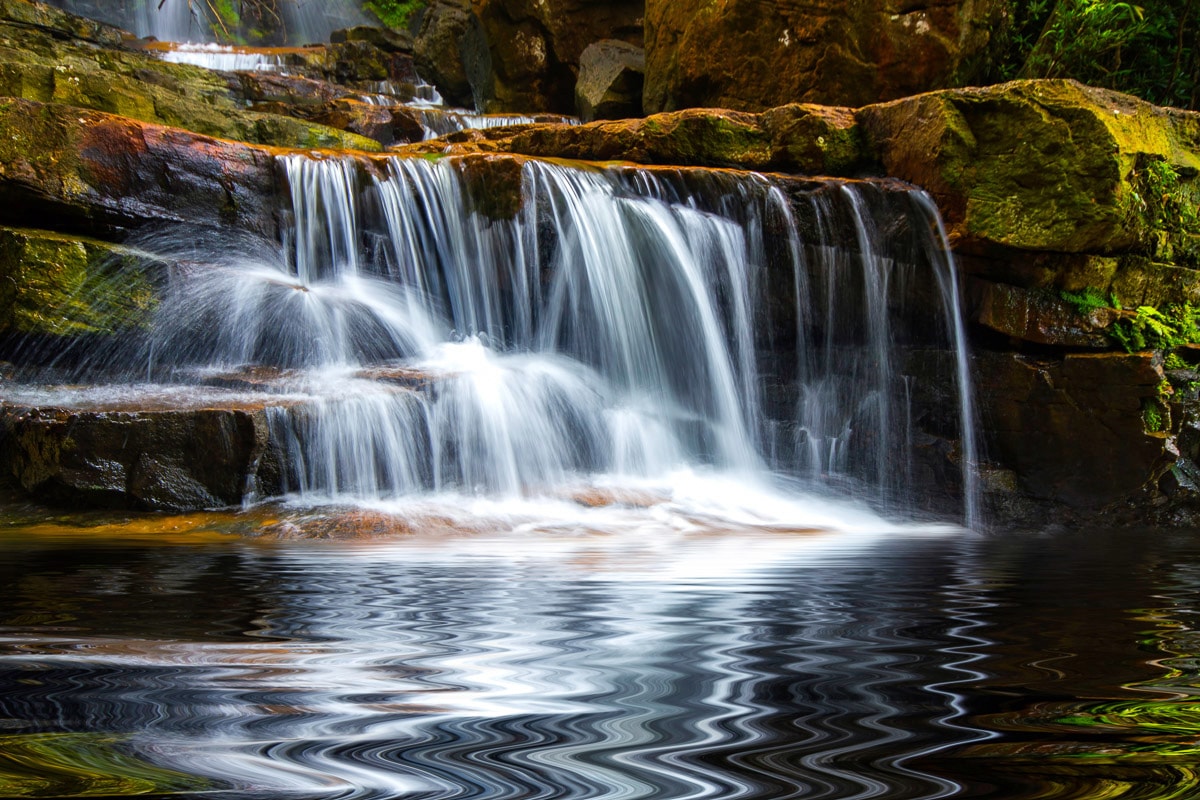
[755, 54]
[93, 171]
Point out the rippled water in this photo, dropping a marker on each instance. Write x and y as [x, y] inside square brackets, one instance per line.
[166, 655]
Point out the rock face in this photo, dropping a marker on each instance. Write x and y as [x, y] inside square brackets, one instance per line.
[534, 47]
[150, 460]
[751, 55]
[611, 74]
[93, 172]
[447, 41]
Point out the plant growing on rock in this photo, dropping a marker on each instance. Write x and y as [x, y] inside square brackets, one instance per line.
[1151, 51]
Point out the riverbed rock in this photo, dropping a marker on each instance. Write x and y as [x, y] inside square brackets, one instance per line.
[611, 73]
[534, 47]
[174, 460]
[751, 55]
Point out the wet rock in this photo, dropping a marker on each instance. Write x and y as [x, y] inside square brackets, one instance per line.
[610, 81]
[750, 55]
[384, 39]
[40, 66]
[57, 22]
[534, 47]
[1074, 428]
[57, 285]
[174, 460]
[699, 137]
[1040, 317]
[90, 172]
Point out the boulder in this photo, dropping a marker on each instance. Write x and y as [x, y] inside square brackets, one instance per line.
[610, 81]
[751, 55]
[440, 52]
[171, 460]
[811, 140]
[92, 172]
[1051, 166]
[383, 38]
[534, 47]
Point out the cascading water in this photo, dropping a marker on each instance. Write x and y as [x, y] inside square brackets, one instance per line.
[300, 21]
[448, 334]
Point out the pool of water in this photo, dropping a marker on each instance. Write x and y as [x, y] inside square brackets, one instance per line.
[257, 655]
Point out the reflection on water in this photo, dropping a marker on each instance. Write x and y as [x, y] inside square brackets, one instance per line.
[898, 664]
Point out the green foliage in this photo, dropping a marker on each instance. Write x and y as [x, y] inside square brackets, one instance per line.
[394, 13]
[1151, 51]
[1087, 301]
[1173, 362]
[1149, 327]
[1153, 418]
[1166, 201]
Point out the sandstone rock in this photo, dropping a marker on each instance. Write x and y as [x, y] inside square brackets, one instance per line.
[699, 137]
[1035, 165]
[56, 21]
[751, 55]
[535, 46]
[155, 460]
[1073, 428]
[36, 65]
[1039, 316]
[439, 49]
[57, 285]
[383, 38]
[90, 171]
[610, 81]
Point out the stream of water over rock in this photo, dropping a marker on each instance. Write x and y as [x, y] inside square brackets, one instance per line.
[421, 332]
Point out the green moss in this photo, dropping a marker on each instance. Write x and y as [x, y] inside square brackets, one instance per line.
[58, 285]
[395, 13]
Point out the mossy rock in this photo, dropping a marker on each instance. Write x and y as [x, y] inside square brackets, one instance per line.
[1037, 165]
[34, 65]
[58, 285]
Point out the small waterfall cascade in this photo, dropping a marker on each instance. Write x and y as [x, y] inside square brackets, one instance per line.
[302, 21]
[491, 327]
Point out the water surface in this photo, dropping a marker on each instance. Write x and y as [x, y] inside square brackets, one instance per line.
[222, 653]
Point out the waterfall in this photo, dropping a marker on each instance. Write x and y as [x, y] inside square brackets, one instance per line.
[508, 328]
[301, 21]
